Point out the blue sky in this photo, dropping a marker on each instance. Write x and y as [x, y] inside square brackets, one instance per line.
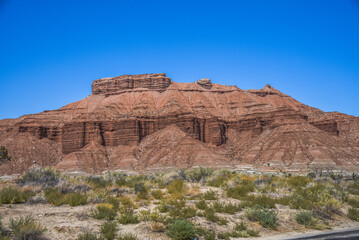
[51, 51]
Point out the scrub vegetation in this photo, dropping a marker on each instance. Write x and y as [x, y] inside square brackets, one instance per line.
[198, 203]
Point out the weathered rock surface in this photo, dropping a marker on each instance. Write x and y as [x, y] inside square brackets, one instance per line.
[147, 121]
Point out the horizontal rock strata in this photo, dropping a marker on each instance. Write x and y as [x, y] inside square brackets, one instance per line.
[147, 121]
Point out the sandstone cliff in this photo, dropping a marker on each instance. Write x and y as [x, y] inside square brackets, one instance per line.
[147, 121]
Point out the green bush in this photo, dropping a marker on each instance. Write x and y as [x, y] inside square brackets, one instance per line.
[354, 188]
[157, 194]
[177, 187]
[305, 218]
[240, 191]
[217, 181]
[10, 195]
[98, 182]
[127, 236]
[207, 234]
[353, 214]
[4, 154]
[182, 212]
[104, 211]
[353, 202]
[209, 195]
[262, 200]
[211, 216]
[54, 196]
[229, 208]
[298, 181]
[265, 217]
[109, 230]
[181, 230]
[128, 217]
[88, 236]
[26, 228]
[198, 174]
[76, 199]
[141, 190]
[115, 202]
[202, 205]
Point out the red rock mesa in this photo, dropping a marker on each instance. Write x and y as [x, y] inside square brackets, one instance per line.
[146, 122]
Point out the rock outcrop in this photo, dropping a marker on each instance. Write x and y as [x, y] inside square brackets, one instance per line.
[141, 122]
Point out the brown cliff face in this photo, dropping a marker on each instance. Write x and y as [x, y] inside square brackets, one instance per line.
[147, 121]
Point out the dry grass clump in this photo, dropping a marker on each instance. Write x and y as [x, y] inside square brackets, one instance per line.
[11, 195]
[57, 198]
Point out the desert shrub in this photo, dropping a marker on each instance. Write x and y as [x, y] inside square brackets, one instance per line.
[177, 188]
[217, 181]
[115, 202]
[98, 182]
[181, 230]
[157, 194]
[209, 195]
[88, 236]
[157, 227]
[353, 202]
[328, 202]
[252, 233]
[353, 214]
[163, 207]
[267, 218]
[229, 208]
[182, 212]
[262, 200]
[54, 196]
[198, 174]
[298, 181]
[240, 230]
[44, 177]
[75, 199]
[104, 211]
[317, 196]
[148, 215]
[202, 205]
[132, 180]
[128, 217]
[305, 218]
[126, 202]
[4, 155]
[141, 190]
[240, 191]
[26, 228]
[14, 195]
[120, 179]
[2, 237]
[207, 234]
[211, 216]
[353, 188]
[312, 175]
[109, 230]
[127, 236]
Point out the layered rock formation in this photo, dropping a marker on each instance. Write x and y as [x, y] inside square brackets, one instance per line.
[146, 121]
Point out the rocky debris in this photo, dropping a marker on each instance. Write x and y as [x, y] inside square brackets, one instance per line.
[142, 122]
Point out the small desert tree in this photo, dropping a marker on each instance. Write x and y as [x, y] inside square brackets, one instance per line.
[4, 154]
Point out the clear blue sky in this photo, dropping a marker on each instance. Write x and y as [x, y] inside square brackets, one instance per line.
[51, 51]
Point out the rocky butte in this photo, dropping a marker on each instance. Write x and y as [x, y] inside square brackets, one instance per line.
[147, 122]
